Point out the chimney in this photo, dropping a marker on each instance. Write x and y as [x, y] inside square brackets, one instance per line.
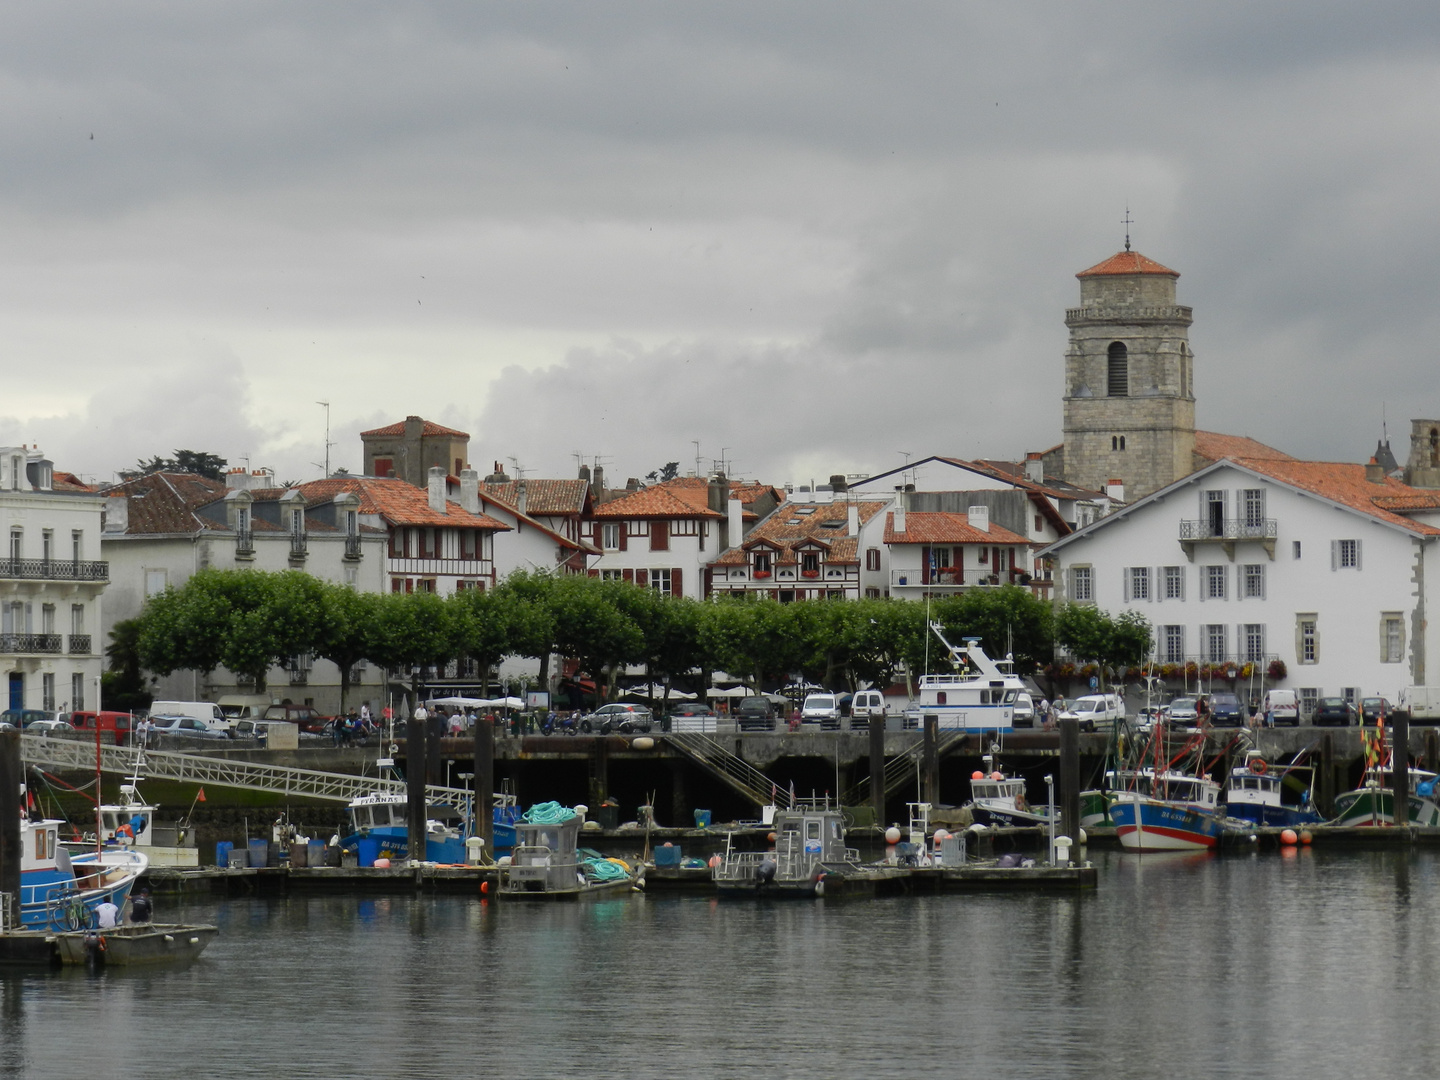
[1035, 467]
[632, 484]
[837, 483]
[978, 517]
[902, 501]
[1374, 472]
[735, 526]
[522, 497]
[1115, 491]
[436, 489]
[117, 513]
[597, 484]
[717, 492]
[237, 479]
[852, 519]
[470, 490]
[585, 473]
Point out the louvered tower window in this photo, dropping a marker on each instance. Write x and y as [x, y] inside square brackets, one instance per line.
[1119, 370]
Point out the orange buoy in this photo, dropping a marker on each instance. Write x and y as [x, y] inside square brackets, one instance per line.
[1258, 766]
[771, 838]
[977, 775]
[1289, 838]
[997, 775]
[1305, 836]
[715, 861]
[484, 888]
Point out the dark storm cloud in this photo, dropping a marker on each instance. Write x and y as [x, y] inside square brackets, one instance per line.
[816, 234]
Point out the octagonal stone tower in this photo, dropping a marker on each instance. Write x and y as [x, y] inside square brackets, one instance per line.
[1129, 393]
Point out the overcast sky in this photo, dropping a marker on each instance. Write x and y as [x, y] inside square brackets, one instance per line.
[808, 236]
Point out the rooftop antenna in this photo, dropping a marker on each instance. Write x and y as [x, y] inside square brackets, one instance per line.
[328, 443]
[1127, 221]
[1384, 432]
[520, 470]
[724, 465]
[696, 443]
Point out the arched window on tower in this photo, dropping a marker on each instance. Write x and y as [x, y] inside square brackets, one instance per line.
[1119, 370]
[1184, 370]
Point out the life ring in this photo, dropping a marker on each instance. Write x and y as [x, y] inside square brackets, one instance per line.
[1258, 766]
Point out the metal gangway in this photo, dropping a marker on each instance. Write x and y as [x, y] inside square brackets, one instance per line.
[900, 769]
[78, 755]
[734, 770]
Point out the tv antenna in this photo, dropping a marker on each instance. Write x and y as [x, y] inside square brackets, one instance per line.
[328, 443]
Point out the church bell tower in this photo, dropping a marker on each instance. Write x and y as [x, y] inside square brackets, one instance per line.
[1129, 394]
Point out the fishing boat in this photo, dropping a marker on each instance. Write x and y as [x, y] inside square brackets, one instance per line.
[131, 822]
[999, 799]
[980, 696]
[1373, 802]
[1253, 794]
[60, 888]
[548, 862]
[810, 858]
[141, 943]
[1167, 811]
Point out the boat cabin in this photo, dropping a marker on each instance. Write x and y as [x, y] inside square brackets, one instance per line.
[129, 822]
[1198, 791]
[813, 831]
[546, 856]
[981, 696]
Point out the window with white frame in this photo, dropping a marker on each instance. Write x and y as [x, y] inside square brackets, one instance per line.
[1174, 644]
[1174, 583]
[155, 581]
[872, 558]
[1309, 698]
[660, 581]
[1392, 637]
[77, 618]
[761, 562]
[610, 536]
[612, 575]
[47, 618]
[1254, 502]
[1215, 643]
[77, 691]
[1254, 642]
[47, 691]
[1307, 639]
[1254, 581]
[1082, 583]
[1345, 554]
[1139, 583]
[1215, 582]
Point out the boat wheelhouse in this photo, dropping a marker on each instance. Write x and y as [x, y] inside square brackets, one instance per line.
[809, 846]
[981, 696]
[998, 799]
[1254, 794]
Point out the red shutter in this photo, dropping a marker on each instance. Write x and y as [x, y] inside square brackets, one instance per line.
[624, 532]
[642, 578]
[628, 575]
[676, 579]
[593, 573]
[659, 536]
[396, 551]
[409, 585]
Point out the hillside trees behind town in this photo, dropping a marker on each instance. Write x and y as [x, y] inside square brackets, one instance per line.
[249, 621]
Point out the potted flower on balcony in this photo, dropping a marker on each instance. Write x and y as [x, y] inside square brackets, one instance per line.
[761, 575]
[810, 573]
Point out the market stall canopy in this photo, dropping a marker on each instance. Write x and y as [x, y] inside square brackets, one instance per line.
[657, 693]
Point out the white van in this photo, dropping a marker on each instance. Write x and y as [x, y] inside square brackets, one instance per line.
[1421, 702]
[864, 705]
[1281, 707]
[825, 709]
[206, 711]
[1093, 710]
[244, 706]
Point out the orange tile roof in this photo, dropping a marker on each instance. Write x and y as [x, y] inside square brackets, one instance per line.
[551, 497]
[659, 501]
[398, 503]
[1127, 262]
[786, 530]
[1419, 500]
[428, 427]
[1341, 482]
[1212, 446]
[64, 481]
[934, 527]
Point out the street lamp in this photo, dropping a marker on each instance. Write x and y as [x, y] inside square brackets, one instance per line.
[1050, 789]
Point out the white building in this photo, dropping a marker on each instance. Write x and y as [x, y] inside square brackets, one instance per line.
[942, 553]
[1321, 566]
[51, 581]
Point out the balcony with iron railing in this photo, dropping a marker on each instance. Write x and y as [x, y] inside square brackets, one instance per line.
[244, 542]
[29, 643]
[1228, 533]
[54, 570]
[79, 644]
[352, 546]
[299, 547]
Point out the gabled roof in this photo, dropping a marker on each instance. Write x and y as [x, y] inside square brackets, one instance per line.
[427, 427]
[538, 526]
[787, 528]
[1340, 483]
[1212, 446]
[1127, 262]
[69, 482]
[165, 503]
[1410, 503]
[550, 497]
[933, 527]
[398, 503]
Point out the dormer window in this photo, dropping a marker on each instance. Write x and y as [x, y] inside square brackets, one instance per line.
[762, 562]
[809, 562]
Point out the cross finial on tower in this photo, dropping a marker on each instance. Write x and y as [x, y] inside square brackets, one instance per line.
[1127, 221]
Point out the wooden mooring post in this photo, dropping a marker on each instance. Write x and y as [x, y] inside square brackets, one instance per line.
[11, 806]
[1400, 765]
[485, 781]
[416, 815]
[930, 770]
[877, 768]
[1070, 779]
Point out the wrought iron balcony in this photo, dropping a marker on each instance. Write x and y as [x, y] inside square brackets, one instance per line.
[352, 546]
[79, 644]
[29, 643]
[298, 547]
[54, 570]
[244, 542]
[1228, 533]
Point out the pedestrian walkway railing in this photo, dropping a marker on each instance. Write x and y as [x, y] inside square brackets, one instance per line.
[902, 768]
[225, 772]
[731, 768]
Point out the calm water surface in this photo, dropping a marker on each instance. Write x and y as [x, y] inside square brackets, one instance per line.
[1316, 966]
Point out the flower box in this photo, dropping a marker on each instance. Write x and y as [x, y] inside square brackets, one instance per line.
[810, 573]
[761, 575]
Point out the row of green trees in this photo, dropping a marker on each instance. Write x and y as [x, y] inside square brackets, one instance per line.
[248, 621]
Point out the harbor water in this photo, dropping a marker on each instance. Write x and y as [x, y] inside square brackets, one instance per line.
[1314, 964]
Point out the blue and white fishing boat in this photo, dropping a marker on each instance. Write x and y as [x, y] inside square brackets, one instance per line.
[998, 799]
[1254, 796]
[980, 696]
[1168, 811]
[60, 888]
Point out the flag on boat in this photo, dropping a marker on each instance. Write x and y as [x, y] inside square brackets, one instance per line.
[200, 797]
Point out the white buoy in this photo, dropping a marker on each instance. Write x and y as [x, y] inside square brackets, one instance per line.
[643, 742]
[892, 834]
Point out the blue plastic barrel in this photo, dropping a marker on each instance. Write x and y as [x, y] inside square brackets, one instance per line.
[317, 853]
[702, 819]
[369, 850]
[259, 852]
[222, 853]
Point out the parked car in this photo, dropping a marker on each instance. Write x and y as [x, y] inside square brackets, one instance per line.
[47, 725]
[1092, 710]
[1282, 707]
[1150, 715]
[755, 714]
[185, 725]
[1334, 712]
[1024, 710]
[119, 724]
[1184, 711]
[864, 705]
[21, 719]
[308, 718]
[207, 711]
[1227, 710]
[691, 716]
[1373, 710]
[827, 710]
[618, 717]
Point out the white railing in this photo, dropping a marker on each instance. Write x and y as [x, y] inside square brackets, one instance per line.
[740, 774]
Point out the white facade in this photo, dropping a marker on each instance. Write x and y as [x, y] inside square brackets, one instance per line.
[51, 581]
[1236, 565]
